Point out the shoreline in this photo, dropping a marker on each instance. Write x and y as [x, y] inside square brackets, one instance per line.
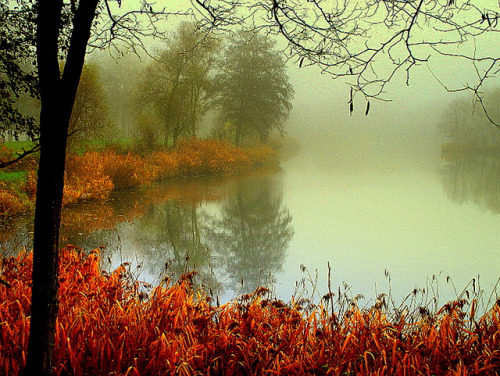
[93, 175]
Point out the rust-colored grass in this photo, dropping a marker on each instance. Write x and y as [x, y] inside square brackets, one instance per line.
[109, 325]
[95, 174]
[11, 203]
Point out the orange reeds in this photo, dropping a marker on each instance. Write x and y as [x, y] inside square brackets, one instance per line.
[110, 324]
[11, 203]
[86, 179]
[95, 174]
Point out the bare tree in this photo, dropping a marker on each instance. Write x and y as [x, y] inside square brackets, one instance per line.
[373, 41]
[57, 92]
[369, 43]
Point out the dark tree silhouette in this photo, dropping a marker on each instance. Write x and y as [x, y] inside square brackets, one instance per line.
[57, 92]
[18, 76]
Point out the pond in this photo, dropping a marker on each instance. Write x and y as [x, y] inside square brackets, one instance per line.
[371, 219]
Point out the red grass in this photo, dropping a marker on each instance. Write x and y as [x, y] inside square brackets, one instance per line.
[109, 326]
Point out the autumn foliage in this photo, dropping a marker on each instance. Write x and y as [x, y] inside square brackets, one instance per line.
[95, 174]
[112, 325]
[10, 203]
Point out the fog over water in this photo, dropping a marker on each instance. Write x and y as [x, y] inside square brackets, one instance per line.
[368, 194]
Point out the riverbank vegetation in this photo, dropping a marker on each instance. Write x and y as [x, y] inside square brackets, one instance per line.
[94, 174]
[110, 324]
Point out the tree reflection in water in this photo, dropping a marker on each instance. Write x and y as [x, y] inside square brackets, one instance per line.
[252, 234]
[473, 178]
[228, 229]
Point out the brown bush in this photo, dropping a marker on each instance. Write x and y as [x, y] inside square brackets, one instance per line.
[11, 203]
[85, 178]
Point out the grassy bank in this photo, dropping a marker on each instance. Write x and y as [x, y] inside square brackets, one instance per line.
[109, 325]
[93, 175]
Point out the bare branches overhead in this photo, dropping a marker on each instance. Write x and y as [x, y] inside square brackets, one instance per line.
[372, 41]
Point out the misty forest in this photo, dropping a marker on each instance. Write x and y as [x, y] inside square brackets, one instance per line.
[228, 187]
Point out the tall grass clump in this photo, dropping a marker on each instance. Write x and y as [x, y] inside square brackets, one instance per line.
[201, 157]
[86, 178]
[94, 174]
[15, 197]
[111, 324]
[11, 203]
[127, 170]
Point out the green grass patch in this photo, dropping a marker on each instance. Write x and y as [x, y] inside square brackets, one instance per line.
[13, 176]
[18, 146]
[99, 145]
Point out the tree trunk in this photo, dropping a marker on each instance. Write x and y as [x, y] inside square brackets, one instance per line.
[57, 96]
[44, 303]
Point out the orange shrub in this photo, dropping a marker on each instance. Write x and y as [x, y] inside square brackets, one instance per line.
[30, 185]
[166, 164]
[85, 178]
[126, 171]
[95, 174]
[209, 156]
[5, 154]
[109, 325]
[11, 203]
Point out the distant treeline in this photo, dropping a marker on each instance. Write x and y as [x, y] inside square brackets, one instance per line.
[196, 84]
[466, 127]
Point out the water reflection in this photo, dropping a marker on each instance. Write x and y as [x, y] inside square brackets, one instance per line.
[252, 233]
[16, 235]
[363, 221]
[228, 229]
[473, 178]
[172, 235]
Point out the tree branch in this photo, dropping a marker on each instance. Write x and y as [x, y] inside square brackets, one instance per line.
[20, 156]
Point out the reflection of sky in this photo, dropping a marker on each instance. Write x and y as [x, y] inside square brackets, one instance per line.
[396, 219]
[365, 215]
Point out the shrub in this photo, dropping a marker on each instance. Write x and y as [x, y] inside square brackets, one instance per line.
[166, 164]
[126, 171]
[147, 134]
[5, 153]
[210, 156]
[94, 174]
[30, 185]
[85, 178]
[11, 203]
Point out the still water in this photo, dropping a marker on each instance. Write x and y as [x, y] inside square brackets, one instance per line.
[383, 219]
